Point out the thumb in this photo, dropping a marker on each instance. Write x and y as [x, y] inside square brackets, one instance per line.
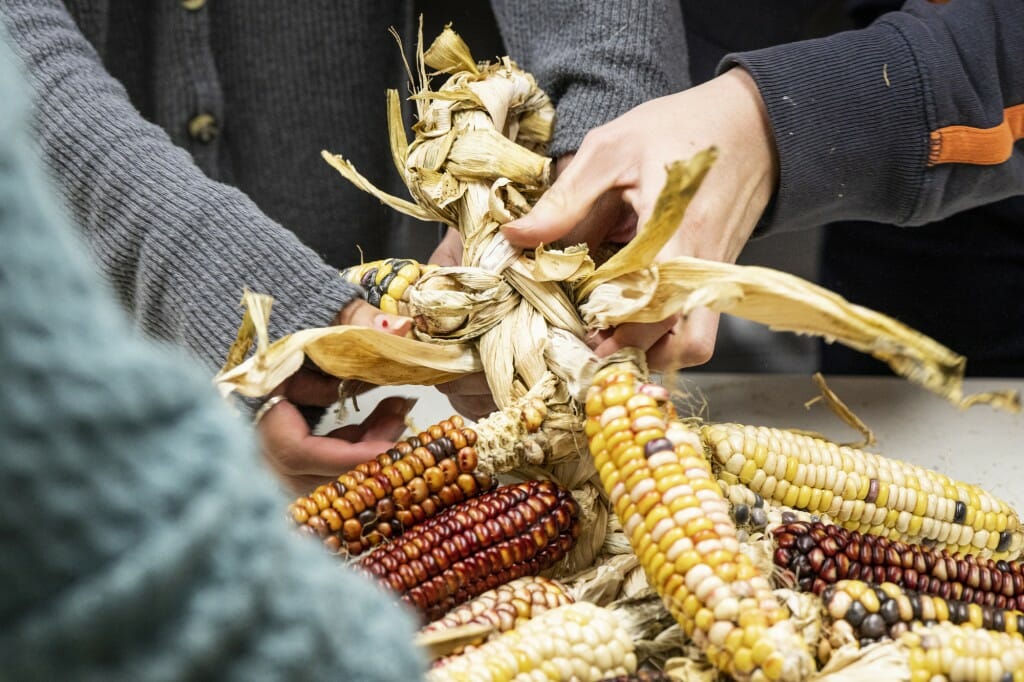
[361, 314]
[566, 203]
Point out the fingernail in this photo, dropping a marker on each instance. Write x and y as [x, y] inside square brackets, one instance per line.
[409, 404]
[516, 226]
[385, 321]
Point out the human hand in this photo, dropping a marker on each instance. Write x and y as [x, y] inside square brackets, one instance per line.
[624, 162]
[449, 251]
[303, 460]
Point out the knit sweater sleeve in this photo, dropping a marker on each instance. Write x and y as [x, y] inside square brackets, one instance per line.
[178, 247]
[912, 119]
[141, 537]
[597, 60]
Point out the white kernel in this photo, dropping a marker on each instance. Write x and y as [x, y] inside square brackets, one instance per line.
[735, 464]
[696, 575]
[980, 539]
[727, 609]
[684, 516]
[678, 547]
[612, 413]
[643, 487]
[675, 491]
[660, 528]
[719, 631]
[662, 458]
[705, 547]
[648, 422]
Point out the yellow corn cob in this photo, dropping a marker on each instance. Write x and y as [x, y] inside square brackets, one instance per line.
[677, 520]
[378, 499]
[579, 641]
[864, 491]
[507, 606]
[962, 653]
[868, 612]
[386, 281]
[516, 530]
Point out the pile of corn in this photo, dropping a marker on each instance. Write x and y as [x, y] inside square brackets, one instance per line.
[897, 558]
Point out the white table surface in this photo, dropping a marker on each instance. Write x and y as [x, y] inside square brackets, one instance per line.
[979, 445]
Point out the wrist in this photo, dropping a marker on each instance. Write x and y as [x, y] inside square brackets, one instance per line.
[758, 136]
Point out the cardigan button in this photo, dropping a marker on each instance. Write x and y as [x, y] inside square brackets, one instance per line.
[203, 128]
[193, 5]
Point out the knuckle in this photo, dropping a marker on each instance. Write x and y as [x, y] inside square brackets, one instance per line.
[696, 351]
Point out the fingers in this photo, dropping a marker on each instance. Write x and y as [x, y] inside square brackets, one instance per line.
[470, 396]
[471, 384]
[297, 455]
[362, 314]
[634, 335]
[690, 342]
[567, 202]
[670, 344]
[385, 423]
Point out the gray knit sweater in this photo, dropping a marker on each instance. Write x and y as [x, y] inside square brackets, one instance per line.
[186, 141]
[141, 537]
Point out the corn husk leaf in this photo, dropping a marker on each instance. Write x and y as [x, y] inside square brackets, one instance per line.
[349, 172]
[843, 411]
[449, 53]
[488, 155]
[441, 643]
[561, 265]
[682, 180]
[783, 302]
[356, 353]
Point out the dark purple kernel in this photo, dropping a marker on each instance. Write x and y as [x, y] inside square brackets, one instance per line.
[657, 445]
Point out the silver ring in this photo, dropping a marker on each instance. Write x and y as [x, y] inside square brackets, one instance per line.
[267, 406]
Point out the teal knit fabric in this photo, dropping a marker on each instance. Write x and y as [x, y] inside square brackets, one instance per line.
[140, 536]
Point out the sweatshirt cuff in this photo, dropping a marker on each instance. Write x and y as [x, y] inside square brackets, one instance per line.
[849, 119]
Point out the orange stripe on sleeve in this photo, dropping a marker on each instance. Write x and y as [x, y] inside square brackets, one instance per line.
[978, 146]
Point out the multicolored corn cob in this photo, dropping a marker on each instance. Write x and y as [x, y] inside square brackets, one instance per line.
[507, 606]
[513, 531]
[869, 612]
[386, 281]
[961, 653]
[380, 498]
[819, 554]
[579, 641]
[864, 491]
[677, 520]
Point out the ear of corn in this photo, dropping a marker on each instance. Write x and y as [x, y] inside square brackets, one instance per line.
[864, 491]
[677, 520]
[380, 498]
[507, 606]
[819, 554]
[579, 641]
[945, 652]
[513, 531]
[868, 612]
[386, 281]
